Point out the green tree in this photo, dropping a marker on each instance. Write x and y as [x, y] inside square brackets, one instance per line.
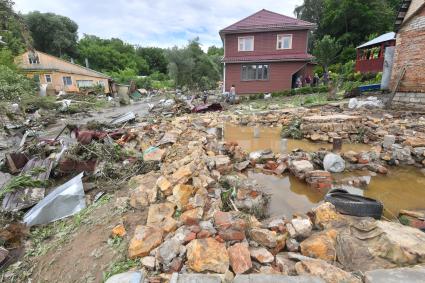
[326, 51]
[53, 34]
[191, 67]
[13, 30]
[110, 55]
[155, 58]
[14, 85]
[310, 11]
[351, 21]
[215, 51]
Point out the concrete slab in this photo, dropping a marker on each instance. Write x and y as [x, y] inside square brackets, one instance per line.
[411, 275]
[195, 278]
[276, 278]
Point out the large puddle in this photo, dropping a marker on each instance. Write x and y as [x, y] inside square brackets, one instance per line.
[269, 138]
[402, 188]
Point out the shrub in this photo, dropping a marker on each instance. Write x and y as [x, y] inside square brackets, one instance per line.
[14, 85]
[292, 130]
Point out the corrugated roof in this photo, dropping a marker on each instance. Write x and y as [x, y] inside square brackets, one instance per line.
[379, 39]
[267, 20]
[269, 58]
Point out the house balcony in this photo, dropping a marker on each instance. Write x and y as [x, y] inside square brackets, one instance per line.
[375, 65]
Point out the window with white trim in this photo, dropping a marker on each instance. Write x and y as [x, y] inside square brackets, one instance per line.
[246, 43]
[48, 78]
[67, 81]
[284, 41]
[255, 72]
[84, 83]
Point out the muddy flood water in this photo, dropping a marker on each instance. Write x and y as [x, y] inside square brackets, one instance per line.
[402, 188]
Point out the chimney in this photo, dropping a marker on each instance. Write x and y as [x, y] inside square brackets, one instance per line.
[87, 63]
[72, 60]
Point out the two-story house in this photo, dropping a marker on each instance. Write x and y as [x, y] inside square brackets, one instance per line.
[265, 52]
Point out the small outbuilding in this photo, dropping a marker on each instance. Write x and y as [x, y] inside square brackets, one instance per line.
[370, 55]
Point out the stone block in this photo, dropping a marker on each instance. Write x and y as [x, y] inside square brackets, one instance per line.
[276, 278]
[411, 275]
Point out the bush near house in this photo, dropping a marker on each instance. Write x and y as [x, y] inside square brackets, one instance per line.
[14, 85]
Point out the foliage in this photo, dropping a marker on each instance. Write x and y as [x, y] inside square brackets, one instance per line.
[155, 58]
[110, 55]
[7, 59]
[12, 29]
[13, 85]
[292, 130]
[191, 67]
[302, 90]
[53, 34]
[38, 102]
[326, 51]
[22, 182]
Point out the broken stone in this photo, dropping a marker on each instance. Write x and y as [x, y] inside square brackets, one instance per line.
[144, 240]
[268, 270]
[163, 184]
[320, 245]
[192, 216]
[415, 142]
[328, 272]
[207, 255]
[127, 277]
[145, 190]
[319, 180]
[300, 168]
[264, 237]
[326, 216]
[262, 255]
[239, 257]
[160, 216]
[242, 165]
[229, 226]
[292, 245]
[168, 250]
[3, 254]
[181, 194]
[119, 231]
[182, 175]
[302, 227]
[148, 262]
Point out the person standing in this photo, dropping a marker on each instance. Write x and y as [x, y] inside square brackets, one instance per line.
[232, 94]
[316, 80]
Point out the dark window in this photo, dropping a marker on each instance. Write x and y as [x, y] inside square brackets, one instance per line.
[67, 81]
[255, 72]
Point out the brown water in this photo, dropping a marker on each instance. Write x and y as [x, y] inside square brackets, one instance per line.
[270, 139]
[402, 188]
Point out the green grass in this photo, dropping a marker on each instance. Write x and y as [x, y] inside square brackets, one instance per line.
[59, 231]
[120, 267]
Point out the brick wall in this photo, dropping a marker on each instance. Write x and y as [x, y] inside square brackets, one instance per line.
[265, 43]
[280, 77]
[411, 100]
[410, 52]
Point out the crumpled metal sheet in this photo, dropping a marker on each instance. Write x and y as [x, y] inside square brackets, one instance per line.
[124, 118]
[64, 201]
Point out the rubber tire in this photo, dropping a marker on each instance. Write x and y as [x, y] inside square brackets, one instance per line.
[353, 205]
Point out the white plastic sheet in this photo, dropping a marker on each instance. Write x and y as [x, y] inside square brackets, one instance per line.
[64, 201]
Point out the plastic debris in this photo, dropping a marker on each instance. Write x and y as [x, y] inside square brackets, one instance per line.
[64, 201]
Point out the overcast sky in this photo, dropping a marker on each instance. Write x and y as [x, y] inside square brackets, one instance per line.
[162, 23]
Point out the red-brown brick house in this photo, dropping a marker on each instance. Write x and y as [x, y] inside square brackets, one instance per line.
[410, 55]
[265, 52]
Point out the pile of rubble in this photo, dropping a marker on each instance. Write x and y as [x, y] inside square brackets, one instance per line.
[204, 215]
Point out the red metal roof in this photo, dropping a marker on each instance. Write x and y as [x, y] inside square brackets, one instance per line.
[269, 58]
[265, 20]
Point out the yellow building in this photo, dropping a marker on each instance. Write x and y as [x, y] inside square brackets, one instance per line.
[61, 74]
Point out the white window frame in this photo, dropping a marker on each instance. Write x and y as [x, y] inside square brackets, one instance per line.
[48, 81]
[241, 39]
[280, 38]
